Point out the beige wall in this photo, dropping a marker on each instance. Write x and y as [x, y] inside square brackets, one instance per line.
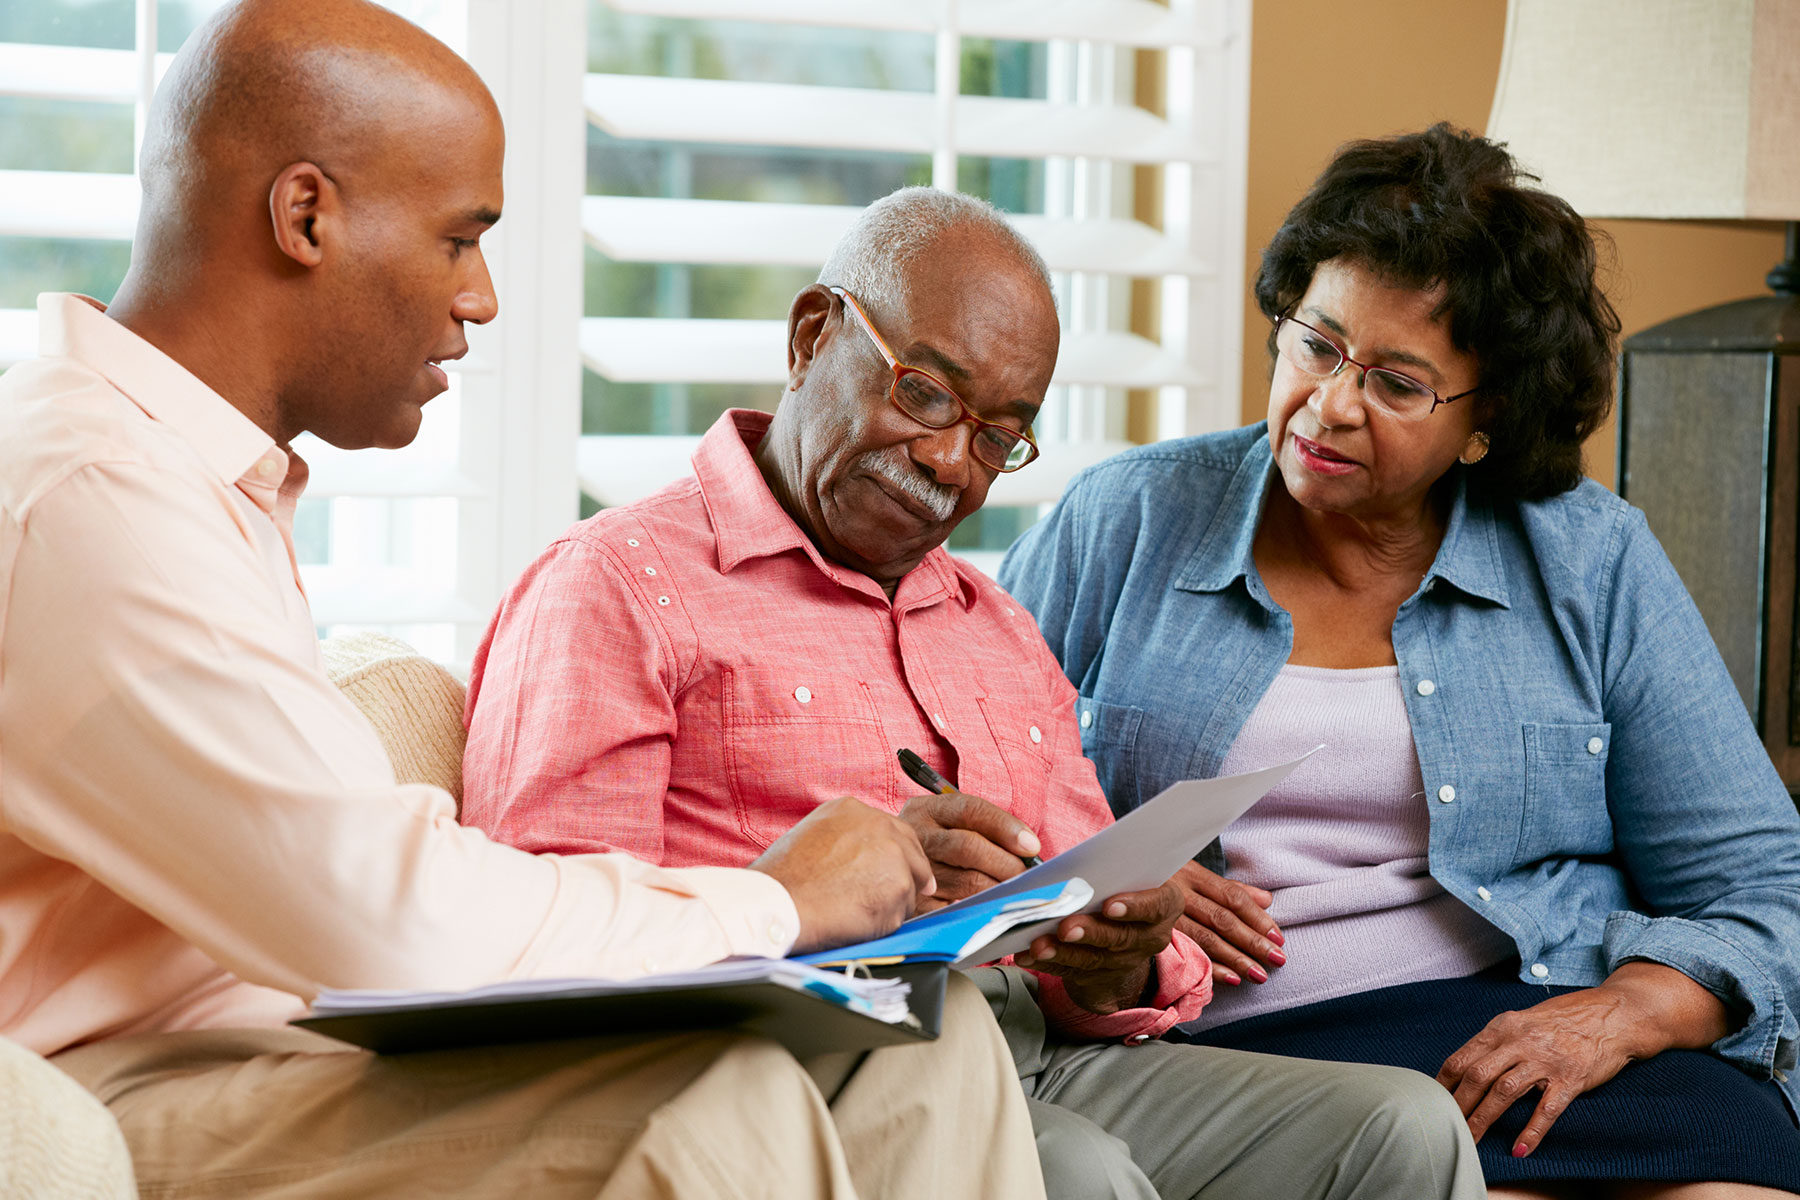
[1324, 72]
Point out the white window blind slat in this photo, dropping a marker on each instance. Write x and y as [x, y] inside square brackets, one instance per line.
[1125, 22]
[72, 72]
[646, 107]
[68, 204]
[648, 229]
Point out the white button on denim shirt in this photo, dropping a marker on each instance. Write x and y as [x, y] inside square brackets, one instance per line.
[1606, 775]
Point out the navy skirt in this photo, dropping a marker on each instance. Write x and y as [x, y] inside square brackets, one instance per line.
[1683, 1116]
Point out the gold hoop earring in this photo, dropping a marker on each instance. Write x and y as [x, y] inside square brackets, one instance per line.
[1481, 452]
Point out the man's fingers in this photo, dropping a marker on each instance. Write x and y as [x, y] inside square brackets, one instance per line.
[918, 862]
[966, 850]
[1556, 1101]
[958, 810]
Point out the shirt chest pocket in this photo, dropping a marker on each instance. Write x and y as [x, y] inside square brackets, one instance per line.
[793, 740]
[1565, 792]
[1109, 735]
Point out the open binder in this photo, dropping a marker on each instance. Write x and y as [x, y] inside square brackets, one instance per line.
[768, 997]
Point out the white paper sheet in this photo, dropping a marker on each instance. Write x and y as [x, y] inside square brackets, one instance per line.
[1140, 850]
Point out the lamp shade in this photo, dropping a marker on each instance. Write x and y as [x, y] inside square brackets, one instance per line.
[1656, 108]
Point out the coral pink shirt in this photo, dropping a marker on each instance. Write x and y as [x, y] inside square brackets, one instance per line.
[196, 828]
[686, 677]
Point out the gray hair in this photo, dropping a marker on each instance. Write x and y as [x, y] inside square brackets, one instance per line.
[870, 260]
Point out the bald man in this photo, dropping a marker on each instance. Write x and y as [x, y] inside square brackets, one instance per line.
[197, 832]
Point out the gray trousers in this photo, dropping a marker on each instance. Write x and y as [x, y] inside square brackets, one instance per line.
[1162, 1121]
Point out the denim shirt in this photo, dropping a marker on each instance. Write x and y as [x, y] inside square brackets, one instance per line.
[1595, 787]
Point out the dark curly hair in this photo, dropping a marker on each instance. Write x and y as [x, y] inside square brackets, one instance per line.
[1517, 266]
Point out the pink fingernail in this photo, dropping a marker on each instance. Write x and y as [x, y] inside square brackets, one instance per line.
[1277, 957]
[1275, 936]
[1521, 1150]
[1257, 973]
[1224, 976]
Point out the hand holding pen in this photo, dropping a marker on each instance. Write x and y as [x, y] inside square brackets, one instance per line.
[972, 843]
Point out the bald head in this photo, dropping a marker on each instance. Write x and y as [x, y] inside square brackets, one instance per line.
[317, 177]
[345, 84]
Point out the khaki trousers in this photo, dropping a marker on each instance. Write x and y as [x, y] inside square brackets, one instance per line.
[284, 1114]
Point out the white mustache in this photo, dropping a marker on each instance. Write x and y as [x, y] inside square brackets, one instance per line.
[893, 465]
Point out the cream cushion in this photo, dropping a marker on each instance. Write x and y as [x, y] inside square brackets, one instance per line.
[415, 705]
[57, 1142]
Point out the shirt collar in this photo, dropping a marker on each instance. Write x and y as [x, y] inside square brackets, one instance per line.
[748, 522]
[1468, 559]
[231, 444]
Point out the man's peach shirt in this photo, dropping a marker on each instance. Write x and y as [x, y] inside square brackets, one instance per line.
[196, 829]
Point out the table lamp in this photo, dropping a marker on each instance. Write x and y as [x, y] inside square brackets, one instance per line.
[1690, 110]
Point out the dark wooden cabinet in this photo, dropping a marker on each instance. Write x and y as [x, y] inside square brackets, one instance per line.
[1709, 448]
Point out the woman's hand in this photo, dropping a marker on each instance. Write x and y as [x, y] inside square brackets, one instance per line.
[1226, 919]
[1575, 1042]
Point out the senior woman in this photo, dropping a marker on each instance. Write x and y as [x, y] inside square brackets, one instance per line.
[1542, 855]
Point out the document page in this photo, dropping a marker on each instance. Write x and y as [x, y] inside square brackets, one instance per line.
[1140, 850]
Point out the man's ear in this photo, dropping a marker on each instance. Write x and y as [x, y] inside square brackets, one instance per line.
[807, 322]
[301, 201]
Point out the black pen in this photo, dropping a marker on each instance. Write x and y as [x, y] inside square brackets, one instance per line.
[920, 772]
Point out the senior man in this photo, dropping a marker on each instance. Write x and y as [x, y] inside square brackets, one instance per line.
[198, 832]
[686, 677]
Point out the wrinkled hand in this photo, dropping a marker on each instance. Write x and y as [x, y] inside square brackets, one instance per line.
[1572, 1043]
[1104, 961]
[972, 843]
[1227, 920]
[854, 872]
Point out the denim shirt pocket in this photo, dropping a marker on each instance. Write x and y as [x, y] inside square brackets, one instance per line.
[1565, 813]
[1109, 734]
[781, 726]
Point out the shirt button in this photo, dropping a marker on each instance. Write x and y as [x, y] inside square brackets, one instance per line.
[649, 965]
[1137, 1039]
[1426, 687]
[938, 718]
[1595, 745]
[1037, 735]
[267, 468]
[649, 570]
[777, 934]
[663, 600]
[1484, 893]
[1540, 971]
[803, 694]
[1446, 793]
[1087, 719]
[631, 541]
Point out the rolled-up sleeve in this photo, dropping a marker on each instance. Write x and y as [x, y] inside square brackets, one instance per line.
[164, 736]
[1707, 832]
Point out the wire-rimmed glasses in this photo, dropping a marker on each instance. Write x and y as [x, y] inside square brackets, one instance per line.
[1392, 392]
[934, 404]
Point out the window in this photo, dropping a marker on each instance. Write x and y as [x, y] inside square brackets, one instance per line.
[676, 170]
[730, 143]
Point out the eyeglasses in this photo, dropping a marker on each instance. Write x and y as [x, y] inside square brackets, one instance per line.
[1393, 393]
[934, 404]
